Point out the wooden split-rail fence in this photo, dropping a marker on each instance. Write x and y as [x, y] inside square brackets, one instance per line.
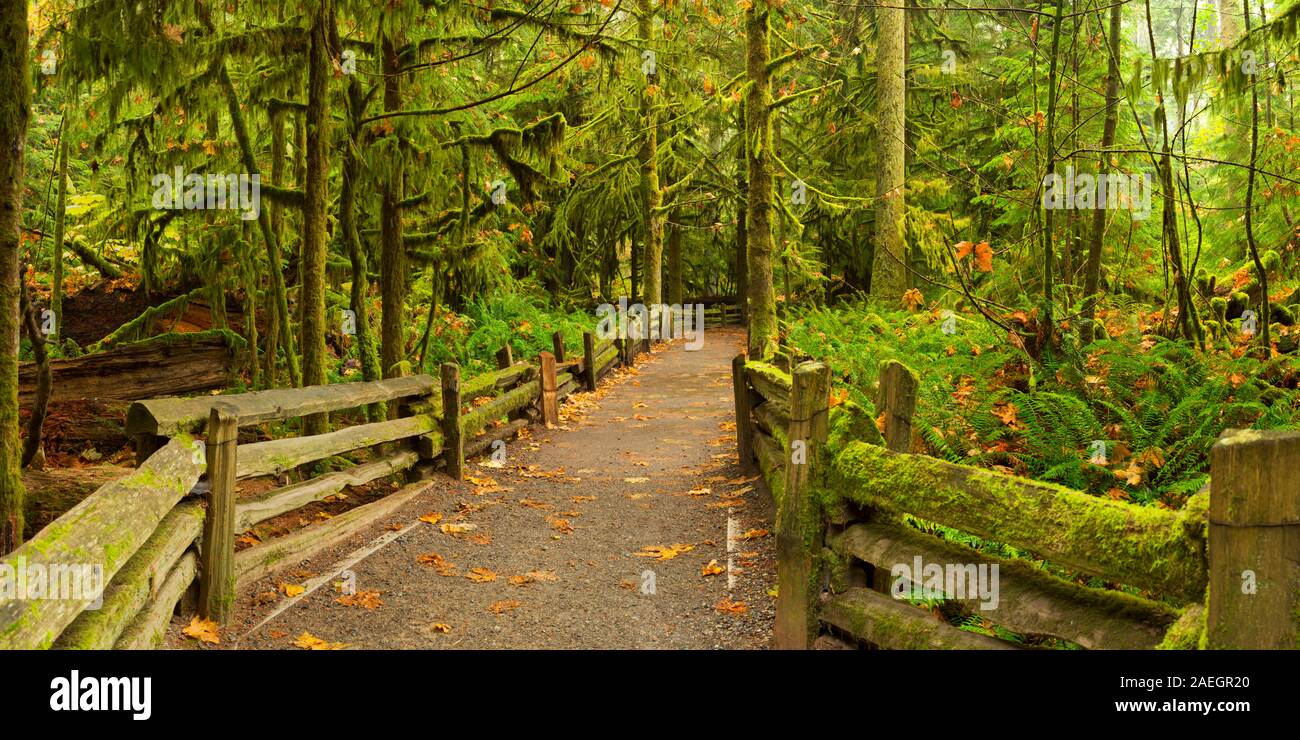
[853, 505]
[163, 537]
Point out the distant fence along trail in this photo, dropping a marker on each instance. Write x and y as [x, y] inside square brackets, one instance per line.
[1222, 572]
[168, 529]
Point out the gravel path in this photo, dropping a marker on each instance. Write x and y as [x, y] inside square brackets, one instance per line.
[552, 556]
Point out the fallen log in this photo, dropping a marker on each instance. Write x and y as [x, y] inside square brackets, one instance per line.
[170, 364]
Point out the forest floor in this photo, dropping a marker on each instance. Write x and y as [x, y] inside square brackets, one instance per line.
[558, 555]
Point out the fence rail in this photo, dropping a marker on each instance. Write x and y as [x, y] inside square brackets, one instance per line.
[845, 488]
[164, 536]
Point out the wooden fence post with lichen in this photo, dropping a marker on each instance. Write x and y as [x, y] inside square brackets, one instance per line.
[550, 405]
[1254, 541]
[798, 518]
[589, 361]
[744, 425]
[896, 401]
[557, 344]
[453, 446]
[217, 583]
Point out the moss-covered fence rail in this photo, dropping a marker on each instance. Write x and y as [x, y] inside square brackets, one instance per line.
[115, 569]
[853, 508]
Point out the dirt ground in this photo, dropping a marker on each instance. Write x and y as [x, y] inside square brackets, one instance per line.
[555, 554]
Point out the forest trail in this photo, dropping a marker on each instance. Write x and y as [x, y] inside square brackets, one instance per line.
[647, 460]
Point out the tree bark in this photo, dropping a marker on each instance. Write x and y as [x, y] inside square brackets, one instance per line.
[313, 238]
[60, 222]
[742, 232]
[366, 350]
[889, 261]
[758, 154]
[15, 112]
[32, 446]
[651, 195]
[393, 253]
[274, 262]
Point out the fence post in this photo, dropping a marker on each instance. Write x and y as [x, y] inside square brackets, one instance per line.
[589, 360]
[896, 399]
[504, 358]
[217, 582]
[744, 425]
[798, 519]
[557, 342]
[1254, 541]
[453, 448]
[550, 410]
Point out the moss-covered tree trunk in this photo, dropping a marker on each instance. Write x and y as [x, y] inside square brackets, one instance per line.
[276, 286]
[758, 154]
[366, 349]
[889, 259]
[393, 252]
[270, 235]
[313, 237]
[742, 218]
[60, 224]
[15, 111]
[651, 197]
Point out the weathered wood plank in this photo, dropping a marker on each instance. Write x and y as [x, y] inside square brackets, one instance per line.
[773, 420]
[259, 560]
[1029, 599]
[504, 405]
[149, 627]
[170, 416]
[251, 511]
[1141, 546]
[137, 582]
[279, 455]
[771, 463]
[483, 443]
[772, 383]
[897, 625]
[103, 530]
[1254, 533]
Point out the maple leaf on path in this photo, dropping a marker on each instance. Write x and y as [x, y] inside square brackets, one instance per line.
[204, 630]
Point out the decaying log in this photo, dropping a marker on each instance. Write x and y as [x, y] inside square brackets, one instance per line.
[167, 365]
